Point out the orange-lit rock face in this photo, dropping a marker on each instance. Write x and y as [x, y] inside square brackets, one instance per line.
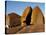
[26, 11]
[37, 15]
[24, 15]
[36, 10]
[37, 20]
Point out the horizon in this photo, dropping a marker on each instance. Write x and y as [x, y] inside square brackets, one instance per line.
[19, 7]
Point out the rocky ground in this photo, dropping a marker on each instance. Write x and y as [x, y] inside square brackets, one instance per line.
[26, 29]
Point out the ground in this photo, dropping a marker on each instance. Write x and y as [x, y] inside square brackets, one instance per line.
[27, 29]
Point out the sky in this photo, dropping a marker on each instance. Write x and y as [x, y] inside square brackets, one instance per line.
[19, 7]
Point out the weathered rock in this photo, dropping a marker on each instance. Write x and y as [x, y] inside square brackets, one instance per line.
[14, 19]
[37, 16]
[26, 16]
[37, 20]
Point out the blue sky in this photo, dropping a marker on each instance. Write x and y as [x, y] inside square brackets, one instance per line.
[18, 7]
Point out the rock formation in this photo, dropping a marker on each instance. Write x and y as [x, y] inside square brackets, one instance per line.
[14, 19]
[26, 16]
[37, 20]
[32, 20]
[37, 16]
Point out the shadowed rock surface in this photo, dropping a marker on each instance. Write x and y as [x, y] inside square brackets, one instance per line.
[26, 16]
[14, 19]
